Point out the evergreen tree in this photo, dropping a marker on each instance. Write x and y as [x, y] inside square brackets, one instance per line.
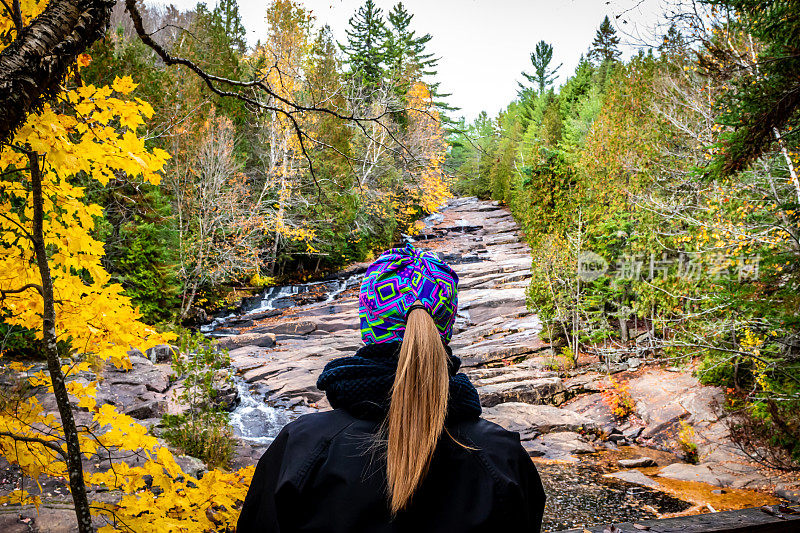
[604, 47]
[764, 106]
[366, 44]
[227, 13]
[543, 76]
[673, 45]
[407, 59]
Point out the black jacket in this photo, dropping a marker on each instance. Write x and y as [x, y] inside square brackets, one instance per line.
[324, 473]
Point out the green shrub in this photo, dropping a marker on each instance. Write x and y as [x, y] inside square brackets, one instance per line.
[207, 436]
[204, 430]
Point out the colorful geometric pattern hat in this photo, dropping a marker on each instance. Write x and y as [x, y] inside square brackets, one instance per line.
[397, 279]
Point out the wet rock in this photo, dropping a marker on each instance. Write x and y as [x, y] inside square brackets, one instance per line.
[261, 315]
[635, 477]
[638, 462]
[226, 394]
[530, 420]
[702, 473]
[616, 438]
[238, 323]
[246, 454]
[262, 340]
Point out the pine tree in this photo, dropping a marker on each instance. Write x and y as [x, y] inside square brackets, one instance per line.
[543, 76]
[604, 46]
[673, 45]
[366, 44]
[227, 11]
[408, 61]
[406, 58]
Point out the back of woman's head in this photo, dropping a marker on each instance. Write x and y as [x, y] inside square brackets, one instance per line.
[410, 295]
[418, 407]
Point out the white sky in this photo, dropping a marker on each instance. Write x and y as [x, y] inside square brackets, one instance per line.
[484, 44]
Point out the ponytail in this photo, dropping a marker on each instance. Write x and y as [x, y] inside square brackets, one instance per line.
[418, 407]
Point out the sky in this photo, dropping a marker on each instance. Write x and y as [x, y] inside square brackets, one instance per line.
[485, 44]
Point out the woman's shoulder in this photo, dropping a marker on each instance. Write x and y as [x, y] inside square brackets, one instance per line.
[486, 434]
[315, 427]
[497, 448]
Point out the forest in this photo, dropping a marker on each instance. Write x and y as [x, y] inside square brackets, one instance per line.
[155, 169]
[669, 183]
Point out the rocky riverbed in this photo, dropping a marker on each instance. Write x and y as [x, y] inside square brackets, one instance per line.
[595, 468]
[564, 424]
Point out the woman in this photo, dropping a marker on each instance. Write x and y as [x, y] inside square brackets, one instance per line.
[404, 448]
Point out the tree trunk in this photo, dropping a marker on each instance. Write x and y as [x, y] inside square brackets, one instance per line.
[33, 66]
[74, 463]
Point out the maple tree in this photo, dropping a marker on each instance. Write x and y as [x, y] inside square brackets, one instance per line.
[52, 280]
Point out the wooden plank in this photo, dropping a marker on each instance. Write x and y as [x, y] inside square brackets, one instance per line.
[752, 520]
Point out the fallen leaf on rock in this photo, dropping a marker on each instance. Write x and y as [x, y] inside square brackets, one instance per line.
[642, 527]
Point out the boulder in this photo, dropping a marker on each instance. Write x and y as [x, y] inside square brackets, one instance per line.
[702, 473]
[638, 462]
[536, 391]
[530, 420]
[147, 408]
[162, 353]
[191, 466]
[635, 477]
[565, 442]
[262, 340]
[141, 374]
[195, 316]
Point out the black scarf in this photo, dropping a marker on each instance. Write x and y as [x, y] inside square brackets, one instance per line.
[362, 383]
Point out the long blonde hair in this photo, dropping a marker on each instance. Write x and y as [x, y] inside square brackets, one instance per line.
[418, 407]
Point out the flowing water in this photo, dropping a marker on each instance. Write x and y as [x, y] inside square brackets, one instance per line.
[254, 420]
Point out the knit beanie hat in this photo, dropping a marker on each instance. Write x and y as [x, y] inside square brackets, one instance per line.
[397, 279]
